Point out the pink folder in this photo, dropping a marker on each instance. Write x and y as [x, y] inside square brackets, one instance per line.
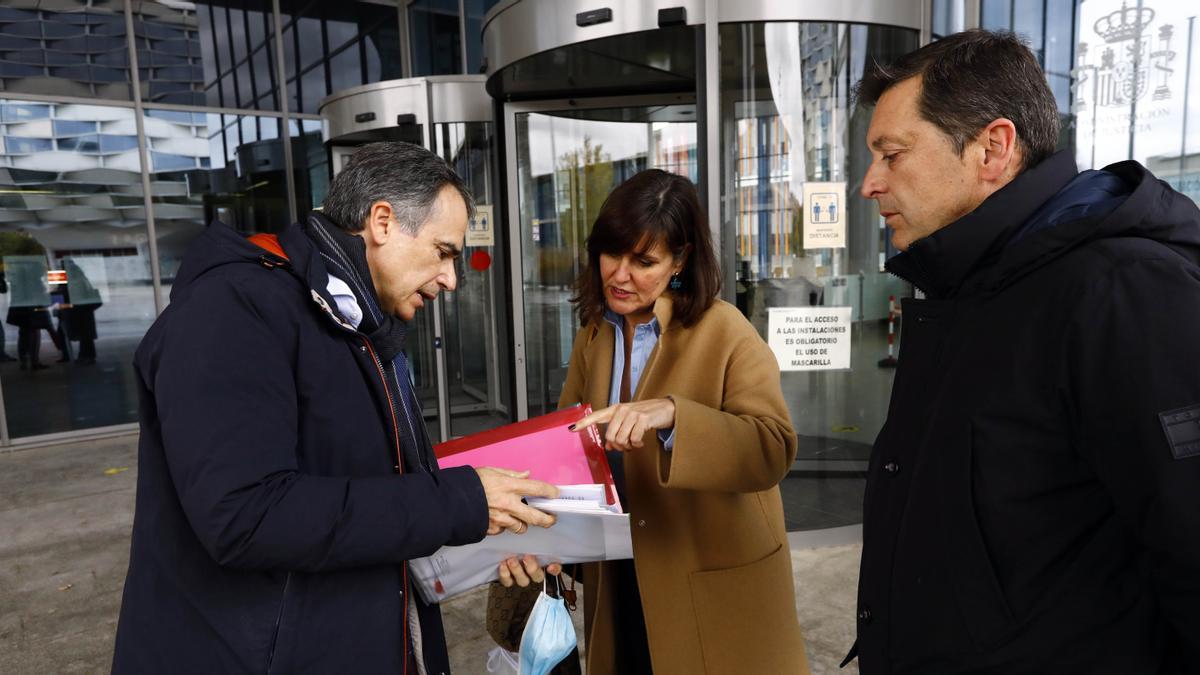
[543, 445]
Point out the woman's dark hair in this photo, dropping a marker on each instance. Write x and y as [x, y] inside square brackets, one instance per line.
[653, 206]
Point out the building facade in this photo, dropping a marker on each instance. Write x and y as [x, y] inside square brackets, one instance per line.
[128, 125]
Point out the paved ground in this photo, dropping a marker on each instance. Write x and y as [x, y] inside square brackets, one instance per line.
[65, 516]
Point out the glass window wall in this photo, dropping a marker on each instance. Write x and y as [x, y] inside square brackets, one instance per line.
[1137, 89]
[209, 166]
[75, 289]
[475, 315]
[1126, 77]
[235, 42]
[567, 163]
[169, 53]
[802, 242]
[80, 52]
[329, 47]
[436, 42]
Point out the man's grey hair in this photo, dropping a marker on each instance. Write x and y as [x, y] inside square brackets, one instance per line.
[404, 175]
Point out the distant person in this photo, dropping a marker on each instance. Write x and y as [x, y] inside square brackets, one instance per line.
[77, 316]
[29, 303]
[4, 355]
[1033, 499]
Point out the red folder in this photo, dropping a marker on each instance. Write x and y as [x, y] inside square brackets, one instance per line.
[544, 446]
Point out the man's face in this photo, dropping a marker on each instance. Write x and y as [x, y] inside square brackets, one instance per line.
[919, 180]
[409, 270]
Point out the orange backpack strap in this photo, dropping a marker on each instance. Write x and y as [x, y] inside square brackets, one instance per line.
[269, 243]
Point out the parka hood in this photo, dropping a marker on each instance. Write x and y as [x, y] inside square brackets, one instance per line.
[220, 245]
[1041, 215]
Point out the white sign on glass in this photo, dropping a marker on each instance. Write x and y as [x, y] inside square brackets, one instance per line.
[1129, 83]
[810, 338]
[480, 231]
[824, 215]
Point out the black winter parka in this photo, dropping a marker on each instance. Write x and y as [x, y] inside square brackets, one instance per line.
[1033, 499]
[272, 517]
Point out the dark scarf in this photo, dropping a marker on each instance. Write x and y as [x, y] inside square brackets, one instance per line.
[345, 257]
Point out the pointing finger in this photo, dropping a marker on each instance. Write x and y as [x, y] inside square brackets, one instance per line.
[598, 417]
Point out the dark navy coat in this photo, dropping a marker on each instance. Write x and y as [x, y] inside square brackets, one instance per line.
[1033, 499]
[272, 519]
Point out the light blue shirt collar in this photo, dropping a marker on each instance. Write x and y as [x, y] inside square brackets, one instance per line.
[645, 337]
[347, 304]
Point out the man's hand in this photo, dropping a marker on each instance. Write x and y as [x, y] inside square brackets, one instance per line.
[524, 571]
[629, 422]
[504, 490]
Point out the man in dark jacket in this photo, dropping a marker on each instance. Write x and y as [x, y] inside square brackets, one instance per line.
[285, 474]
[1033, 499]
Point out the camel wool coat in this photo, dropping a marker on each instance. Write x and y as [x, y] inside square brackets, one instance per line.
[711, 552]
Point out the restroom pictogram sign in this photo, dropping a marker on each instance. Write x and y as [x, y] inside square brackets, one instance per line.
[824, 215]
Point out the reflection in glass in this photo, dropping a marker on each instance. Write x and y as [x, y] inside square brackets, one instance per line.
[788, 121]
[208, 166]
[475, 314]
[1132, 96]
[567, 163]
[168, 37]
[80, 52]
[475, 11]
[337, 46]
[75, 289]
[436, 43]
[948, 16]
[230, 55]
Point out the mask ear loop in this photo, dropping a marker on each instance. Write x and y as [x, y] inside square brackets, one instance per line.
[557, 585]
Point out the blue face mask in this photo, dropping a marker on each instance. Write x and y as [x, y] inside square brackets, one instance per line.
[549, 636]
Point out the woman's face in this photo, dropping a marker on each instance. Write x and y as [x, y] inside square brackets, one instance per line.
[633, 281]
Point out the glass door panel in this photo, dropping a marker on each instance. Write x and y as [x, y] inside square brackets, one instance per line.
[789, 127]
[477, 350]
[567, 161]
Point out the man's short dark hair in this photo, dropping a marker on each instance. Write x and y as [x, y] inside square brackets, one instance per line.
[970, 79]
[404, 175]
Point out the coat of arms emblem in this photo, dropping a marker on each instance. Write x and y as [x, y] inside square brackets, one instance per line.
[1132, 60]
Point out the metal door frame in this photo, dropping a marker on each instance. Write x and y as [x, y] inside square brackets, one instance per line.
[513, 199]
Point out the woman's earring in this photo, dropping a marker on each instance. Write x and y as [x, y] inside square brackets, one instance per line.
[676, 282]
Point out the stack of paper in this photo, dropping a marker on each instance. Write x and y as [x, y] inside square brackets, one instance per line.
[585, 531]
[591, 498]
[590, 523]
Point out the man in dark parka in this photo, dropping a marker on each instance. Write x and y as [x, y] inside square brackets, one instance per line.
[285, 475]
[1033, 499]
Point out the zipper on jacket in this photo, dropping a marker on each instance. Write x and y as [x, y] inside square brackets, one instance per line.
[278, 620]
[400, 465]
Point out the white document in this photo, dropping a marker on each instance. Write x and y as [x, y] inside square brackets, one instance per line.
[587, 530]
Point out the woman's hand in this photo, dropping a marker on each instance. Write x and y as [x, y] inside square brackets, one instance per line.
[629, 422]
[524, 571]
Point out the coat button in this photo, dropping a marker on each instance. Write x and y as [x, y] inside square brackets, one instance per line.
[864, 615]
[892, 468]
[641, 523]
[395, 468]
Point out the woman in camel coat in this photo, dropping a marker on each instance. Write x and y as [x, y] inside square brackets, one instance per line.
[696, 417]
